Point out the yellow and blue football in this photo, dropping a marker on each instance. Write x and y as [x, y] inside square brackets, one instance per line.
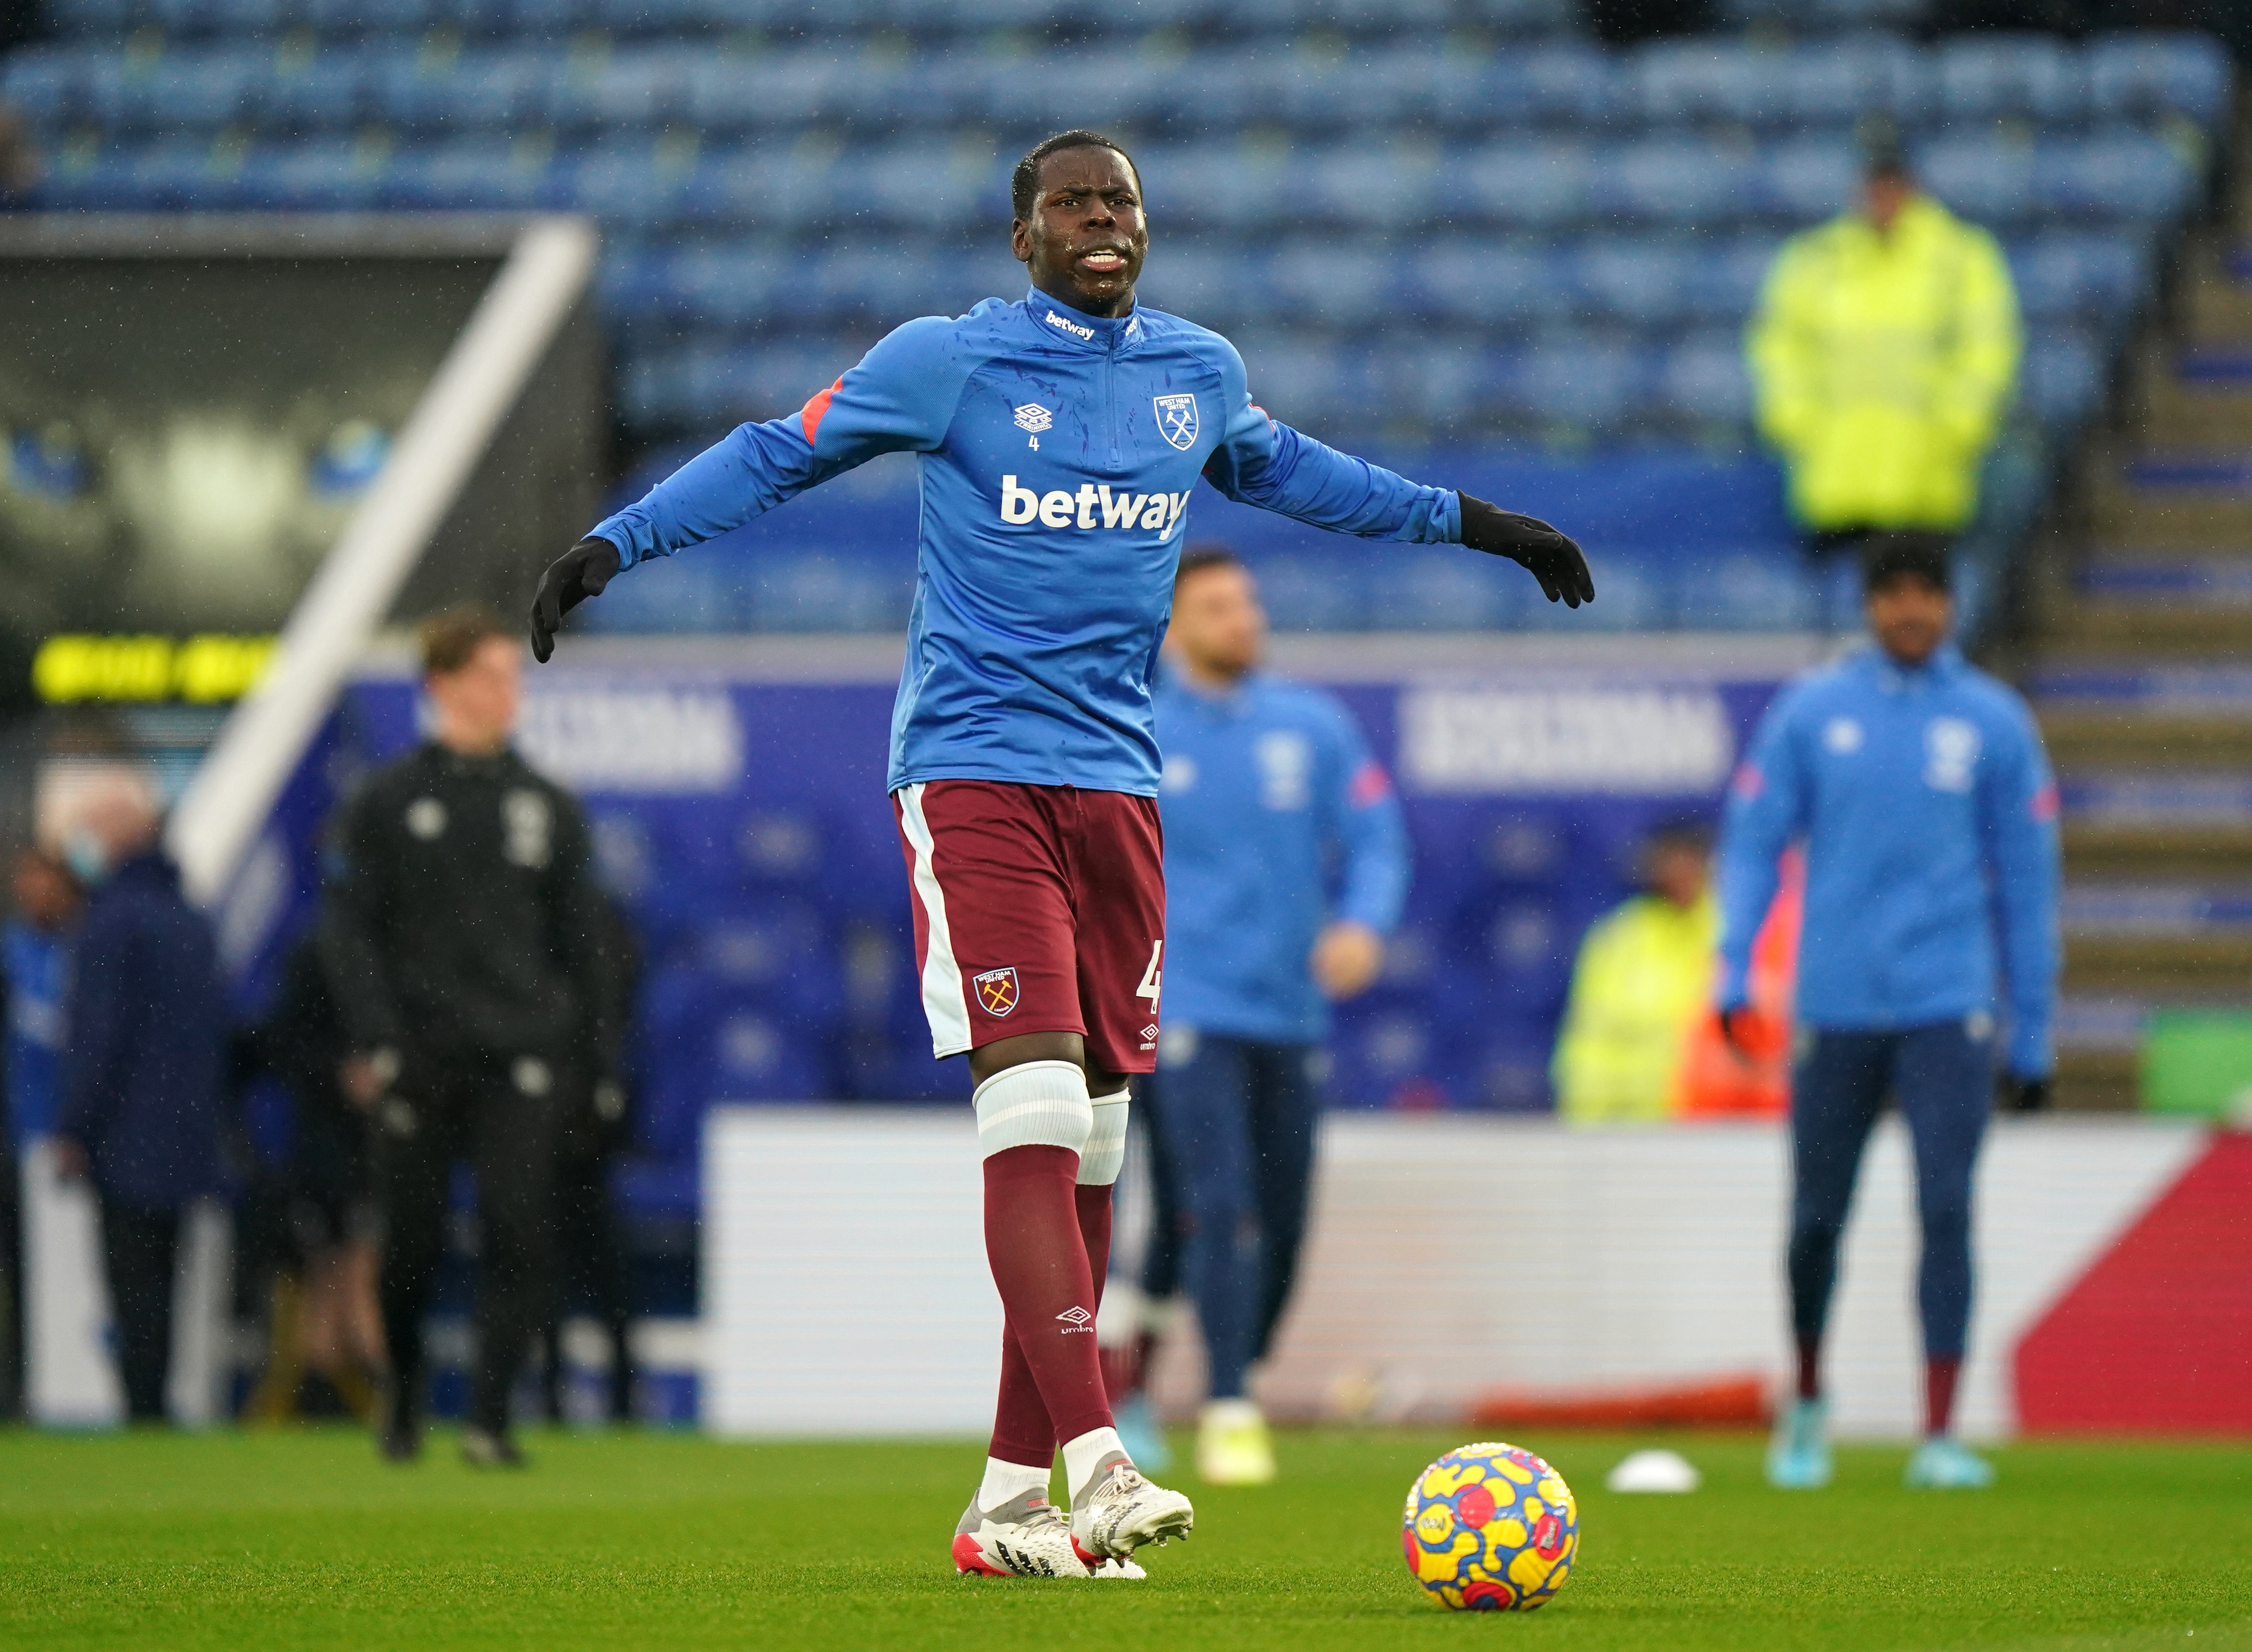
[1490, 1528]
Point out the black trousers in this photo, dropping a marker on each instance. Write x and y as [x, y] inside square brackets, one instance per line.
[11, 1285]
[592, 1270]
[140, 1251]
[500, 1119]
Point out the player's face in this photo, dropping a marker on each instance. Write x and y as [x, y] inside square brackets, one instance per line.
[477, 705]
[1883, 197]
[1679, 872]
[1909, 617]
[43, 889]
[1219, 627]
[1086, 239]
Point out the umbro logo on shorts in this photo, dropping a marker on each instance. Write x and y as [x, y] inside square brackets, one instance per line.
[996, 991]
[1076, 1319]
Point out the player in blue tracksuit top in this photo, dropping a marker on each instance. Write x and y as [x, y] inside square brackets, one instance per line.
[1286, 865]
[1919, 789]
[1060, 437]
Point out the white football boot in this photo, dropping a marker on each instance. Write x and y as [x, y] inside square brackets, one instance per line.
[1118, 1511]
[1023, 1537]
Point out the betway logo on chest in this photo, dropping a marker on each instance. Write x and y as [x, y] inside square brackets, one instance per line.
[1151, 512]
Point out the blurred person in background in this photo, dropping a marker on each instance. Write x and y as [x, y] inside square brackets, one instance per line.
[325, 1322]
[1883, 354]
[463, 939]
[590, 1249]
[145, 1061]
[1642, 983]
[1286, 867]
[1919, 793]
[34, 966]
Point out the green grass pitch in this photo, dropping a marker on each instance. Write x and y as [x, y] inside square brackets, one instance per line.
[624, 1541]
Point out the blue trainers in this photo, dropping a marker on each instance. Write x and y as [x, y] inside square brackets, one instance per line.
[1798, 1457]
[1940, 1464]
[1142, 1434]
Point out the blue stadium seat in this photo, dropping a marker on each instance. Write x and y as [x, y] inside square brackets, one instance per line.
[1525, 17]
[2114, 174]
[1239, 189]
[922, 186]
[1207, 91]
[498, 89]
[1988, 178]
[1521, 184]
[263, 19]
[1684, 82]
[1730, 274]
[1704, 381]
[1641, 281]
[2034, 77]
[41, 83]
[1333, 285]
[1807, 16]
[1839, 81]
[1575, 383]
[1212, 286]
[355, 18]
[1420, 588]
[770, 186]
[2062, 382]
[92, 20]
[1311, 384]
[1481, 284]
[1744, 591]
[192, 91]
[1366, 186]
[552, 22]
[1324, 93]
[474, 174]
[820, 593]
[1444, 383]
[638, 89]
[2064, 276]
[1106, 86]
[782, 89]
[1546, 84]
[180, 174]
[627, 182]
[1632, 593]
[1322, 589]
[1676, 180]
[2147, 73]
[321, 175]
[1804, 180]
[329, 92]
[736, 284]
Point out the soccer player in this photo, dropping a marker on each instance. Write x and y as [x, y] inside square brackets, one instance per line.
[1286, 865]
[1922, 797]
[1060, 437]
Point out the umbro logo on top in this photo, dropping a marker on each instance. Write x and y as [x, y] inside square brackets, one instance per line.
[1033, 417]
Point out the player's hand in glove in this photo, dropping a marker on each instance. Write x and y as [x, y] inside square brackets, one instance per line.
[2024, 1095]
[583, 570]
[1553, 557]
[1736, 1030]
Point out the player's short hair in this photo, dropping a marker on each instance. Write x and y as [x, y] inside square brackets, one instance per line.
[1888, 557]
[451, 638]
[1025, 182]
[1884, 153]
[1202, 558]
[1681, 831]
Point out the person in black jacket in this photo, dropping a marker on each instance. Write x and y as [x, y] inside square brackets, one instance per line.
[463, 939]
[144, 1066]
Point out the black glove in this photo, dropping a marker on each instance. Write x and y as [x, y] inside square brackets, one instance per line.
[2024, 1095]
[1735, 1021]
[1553, 557]
[579, 572]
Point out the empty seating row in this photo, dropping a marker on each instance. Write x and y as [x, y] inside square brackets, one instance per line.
[2123, 177]
[101, 19]
[1647, 282]
[1561, 384]
[1956, 87]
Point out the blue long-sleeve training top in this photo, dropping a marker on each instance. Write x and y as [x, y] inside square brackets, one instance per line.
[1277, 820]
[1924, 802]
[1058, 453]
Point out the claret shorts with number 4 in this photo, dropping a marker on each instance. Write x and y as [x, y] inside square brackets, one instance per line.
[1037, 909]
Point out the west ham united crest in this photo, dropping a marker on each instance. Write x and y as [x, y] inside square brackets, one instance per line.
[996, 991]
[1176, 421]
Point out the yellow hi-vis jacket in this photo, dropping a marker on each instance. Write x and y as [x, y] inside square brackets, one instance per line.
[1643, 979]
[1882, 365]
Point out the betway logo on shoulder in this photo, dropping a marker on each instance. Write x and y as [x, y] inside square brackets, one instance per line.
[1151, 512]
[1072, 328]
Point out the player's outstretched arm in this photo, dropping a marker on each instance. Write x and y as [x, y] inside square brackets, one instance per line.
[1553, 557]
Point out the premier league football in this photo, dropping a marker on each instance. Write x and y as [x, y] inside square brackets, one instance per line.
[1490, 1528]
[917, 823]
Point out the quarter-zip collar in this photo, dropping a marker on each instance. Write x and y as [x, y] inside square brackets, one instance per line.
[1101, 335]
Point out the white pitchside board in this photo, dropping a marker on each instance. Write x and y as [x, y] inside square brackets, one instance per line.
[846, 1288]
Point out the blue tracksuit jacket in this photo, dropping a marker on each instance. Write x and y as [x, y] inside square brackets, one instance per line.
[1276, 821]
[1924, 802]
[37, 966]
[1058, 453]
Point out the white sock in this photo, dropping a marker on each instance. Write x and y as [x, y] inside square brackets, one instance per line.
[1081, 1455]
[1231, 1413]
[1006, 1479]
